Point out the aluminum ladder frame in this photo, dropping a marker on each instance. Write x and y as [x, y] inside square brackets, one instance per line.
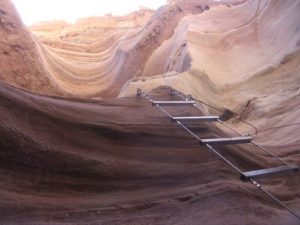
[244, 176]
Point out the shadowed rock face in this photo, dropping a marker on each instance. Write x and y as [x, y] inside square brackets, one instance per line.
[121, 161]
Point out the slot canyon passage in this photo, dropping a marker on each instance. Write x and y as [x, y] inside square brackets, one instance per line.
[78, 146]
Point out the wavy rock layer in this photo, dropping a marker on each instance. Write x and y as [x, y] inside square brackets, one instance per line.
[67, 161]
[120, 161]
[97, 59]
[20, 61]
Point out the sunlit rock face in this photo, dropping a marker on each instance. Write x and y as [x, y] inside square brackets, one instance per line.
[21, 63]
[96, 57]
[99, 56]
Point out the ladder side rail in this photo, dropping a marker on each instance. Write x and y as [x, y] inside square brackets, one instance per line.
[254, 143]
[188, 130]
[256, 184]
[224, 159]
[179, 94]
[260, 187]
[270, 153]
[140, 92]
[193, 134]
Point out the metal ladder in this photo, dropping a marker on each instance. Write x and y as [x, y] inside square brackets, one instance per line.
[286, 168]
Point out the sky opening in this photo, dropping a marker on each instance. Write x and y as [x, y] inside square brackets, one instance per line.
[33, 11]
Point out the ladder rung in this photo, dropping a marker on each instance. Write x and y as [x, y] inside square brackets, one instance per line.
[226, 141]
[173, 103]
[281, 170]
[202, 118]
